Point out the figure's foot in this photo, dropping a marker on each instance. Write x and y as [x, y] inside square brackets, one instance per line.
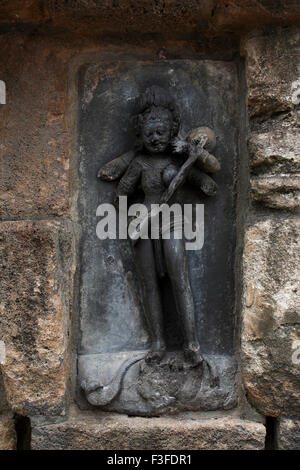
[192, 354]
[156, 353]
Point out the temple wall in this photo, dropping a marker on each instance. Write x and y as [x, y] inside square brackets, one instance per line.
[41, 52]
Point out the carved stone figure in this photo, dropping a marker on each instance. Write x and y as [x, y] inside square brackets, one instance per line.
[160, 163]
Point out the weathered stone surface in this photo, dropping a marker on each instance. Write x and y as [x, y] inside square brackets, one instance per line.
[272, 71]
[274, 144]
[124, 433]
[19, 11]
[34, 147]
[3, 401]
[275, 151]
[207, 16]
[157, 389]
[277, 192]
[288, 434]
[35, 269]
[250, 14]
[7, 433]
[271, 316]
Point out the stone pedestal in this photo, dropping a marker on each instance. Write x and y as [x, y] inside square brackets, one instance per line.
[117, 432]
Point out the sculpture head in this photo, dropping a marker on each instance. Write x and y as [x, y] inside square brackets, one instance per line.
[157, 121]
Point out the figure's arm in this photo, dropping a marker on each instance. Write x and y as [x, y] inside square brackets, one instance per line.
[208, 162]
[116, 168]
[129, 180]
[202, 181]
[195, 177]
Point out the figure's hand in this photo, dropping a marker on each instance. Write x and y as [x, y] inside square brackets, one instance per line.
[203, 136]
[179, 145]
[203, 140]
[104, 173]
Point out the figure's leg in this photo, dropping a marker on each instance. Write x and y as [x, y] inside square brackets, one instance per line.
[177, 268]
[145, 262]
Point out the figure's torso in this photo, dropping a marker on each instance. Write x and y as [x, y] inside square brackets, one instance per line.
[152, 176]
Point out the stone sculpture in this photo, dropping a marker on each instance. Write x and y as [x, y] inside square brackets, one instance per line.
[161, 161]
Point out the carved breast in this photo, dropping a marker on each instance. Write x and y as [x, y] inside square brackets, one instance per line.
[152, 175]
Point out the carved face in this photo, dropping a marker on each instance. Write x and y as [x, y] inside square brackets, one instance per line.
[156, 134]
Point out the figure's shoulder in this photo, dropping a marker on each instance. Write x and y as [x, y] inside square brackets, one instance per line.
[140, 157]
[145, 162]
[135, 163]
[141, 160]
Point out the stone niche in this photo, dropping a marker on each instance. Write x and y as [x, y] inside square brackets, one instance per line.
[113, 338]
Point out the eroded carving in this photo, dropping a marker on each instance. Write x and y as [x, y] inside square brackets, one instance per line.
[160, 163]
[160, 379]
[154, 167]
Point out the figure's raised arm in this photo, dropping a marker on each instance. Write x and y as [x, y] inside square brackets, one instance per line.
[116, 168]
[129, 180]
[203, 140]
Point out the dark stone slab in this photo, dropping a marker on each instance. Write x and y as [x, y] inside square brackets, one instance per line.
[111, 320]
[156, 389]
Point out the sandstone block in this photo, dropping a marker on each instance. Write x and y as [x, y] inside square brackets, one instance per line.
[3, 401]
[277, 192]
[7, 433]
[271, 316]
[35, 139]
[272, 71]
[288, 434]
[125, 433]
[35, 268]
[275, 151]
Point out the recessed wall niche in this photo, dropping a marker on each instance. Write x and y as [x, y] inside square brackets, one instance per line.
[117, 328]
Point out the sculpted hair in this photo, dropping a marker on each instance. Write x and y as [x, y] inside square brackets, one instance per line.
[154, 103]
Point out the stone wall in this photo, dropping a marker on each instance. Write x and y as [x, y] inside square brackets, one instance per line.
[40, 54]
[271, 302]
